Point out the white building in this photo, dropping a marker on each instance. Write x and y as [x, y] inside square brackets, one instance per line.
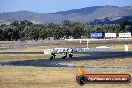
[110, 35]
[125, 35]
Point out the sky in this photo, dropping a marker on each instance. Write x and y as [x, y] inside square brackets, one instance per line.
[52, 6]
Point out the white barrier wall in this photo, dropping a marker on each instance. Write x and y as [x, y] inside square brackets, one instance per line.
[48, 51]
[60, 50]
[57, 50]
[124, 35]
[110, 35]
[96, 49]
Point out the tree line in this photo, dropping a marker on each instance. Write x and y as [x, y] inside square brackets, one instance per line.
[26, 30]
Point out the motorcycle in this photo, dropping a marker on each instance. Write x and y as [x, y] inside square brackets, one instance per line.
[52, 56]
[64, 56]
[70, 55]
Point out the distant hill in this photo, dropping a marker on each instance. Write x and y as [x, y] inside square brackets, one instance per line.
[112, 20]
[88, 14]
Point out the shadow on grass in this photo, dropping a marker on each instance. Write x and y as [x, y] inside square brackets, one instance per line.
[55, 62]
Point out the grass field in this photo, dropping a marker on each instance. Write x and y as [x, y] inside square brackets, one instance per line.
[42, 77]
[39, 77]
[13, 77]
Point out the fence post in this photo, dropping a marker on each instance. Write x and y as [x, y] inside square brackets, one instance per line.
[126, 47]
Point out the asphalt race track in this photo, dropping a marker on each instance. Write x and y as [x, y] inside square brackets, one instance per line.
[58, 62]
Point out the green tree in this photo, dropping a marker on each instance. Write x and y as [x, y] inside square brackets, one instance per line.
[128, 28]
[66, 28]
[26, 33]
[57, 32]
[87, 30]
[43, 33]
[35, 33]
[1, 34]
[77, 29]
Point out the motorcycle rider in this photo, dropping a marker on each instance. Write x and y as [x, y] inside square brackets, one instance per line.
[53, 55]
[70, 53]
[64, 55]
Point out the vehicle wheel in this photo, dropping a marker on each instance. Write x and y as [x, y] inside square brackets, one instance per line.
[51, 58]
[64, 57]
